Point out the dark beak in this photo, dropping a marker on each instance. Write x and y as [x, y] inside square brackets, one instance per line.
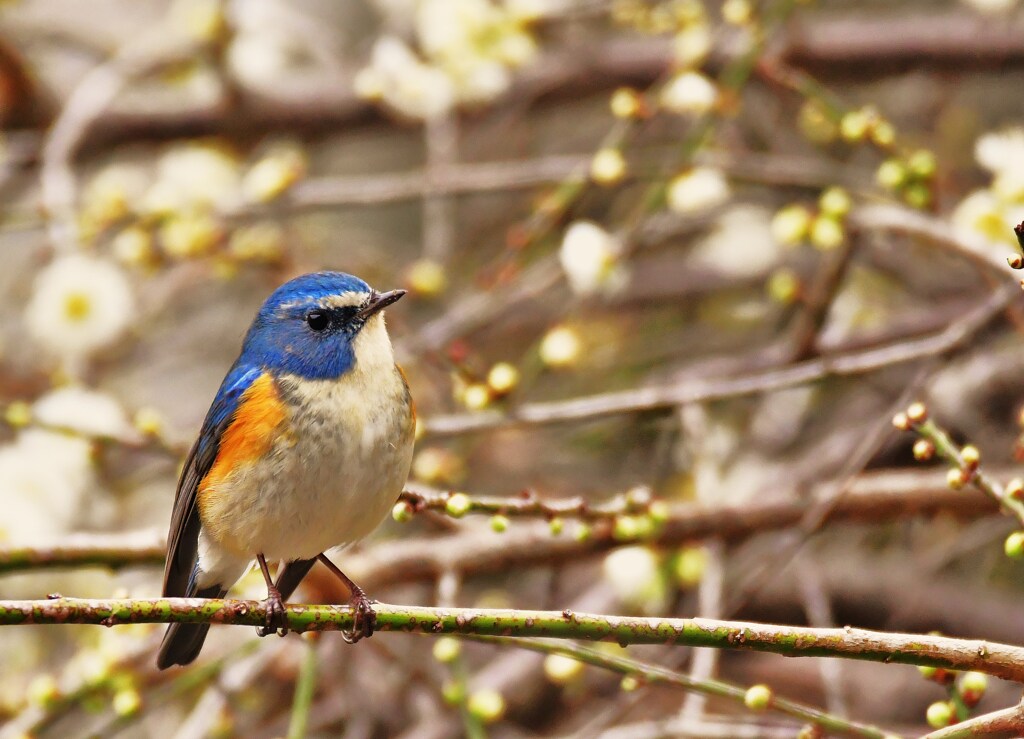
[378, 302]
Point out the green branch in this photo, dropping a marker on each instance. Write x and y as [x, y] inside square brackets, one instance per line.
[657, 674]
[999, 660]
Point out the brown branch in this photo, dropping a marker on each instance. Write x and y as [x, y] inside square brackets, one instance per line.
[876, 496]
[699, 390]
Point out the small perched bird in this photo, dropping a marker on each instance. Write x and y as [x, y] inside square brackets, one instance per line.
[306, 446]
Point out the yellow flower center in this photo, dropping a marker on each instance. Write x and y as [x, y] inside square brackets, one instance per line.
[77, 307]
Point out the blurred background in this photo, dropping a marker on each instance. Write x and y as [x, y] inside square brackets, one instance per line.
[697, 249]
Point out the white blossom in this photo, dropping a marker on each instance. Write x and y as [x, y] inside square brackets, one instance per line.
[79, 304]
[697, 189]
[689, 93]
[560, 347]
[405, 83]
[1002, 154]
[634, 574]
[741, 243]
[589, 256]
[43, 476]
[984, 214]
[83, 410]
[195, 175]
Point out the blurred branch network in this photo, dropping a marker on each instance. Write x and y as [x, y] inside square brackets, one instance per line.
[674, 266]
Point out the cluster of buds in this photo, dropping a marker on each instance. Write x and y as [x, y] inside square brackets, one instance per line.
[823, 227]
[478, 393]
[964, 468]
[965, 692]
[912, 177]
[965, 461]
[867, 124]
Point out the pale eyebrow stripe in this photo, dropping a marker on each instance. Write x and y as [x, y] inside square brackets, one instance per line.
[348, 299]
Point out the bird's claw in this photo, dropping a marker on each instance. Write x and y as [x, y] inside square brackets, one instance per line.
[364, 619]
[277, 623]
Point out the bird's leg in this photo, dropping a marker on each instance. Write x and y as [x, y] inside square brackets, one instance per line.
[363, 617]
[275, 605]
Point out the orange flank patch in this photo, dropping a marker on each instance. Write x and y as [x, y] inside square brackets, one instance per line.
[247, 438]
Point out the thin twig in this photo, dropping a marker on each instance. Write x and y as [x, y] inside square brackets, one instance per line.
[305, 687]
[703, 686]
[699, 390]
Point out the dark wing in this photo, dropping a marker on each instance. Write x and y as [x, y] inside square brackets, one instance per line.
[183, 537]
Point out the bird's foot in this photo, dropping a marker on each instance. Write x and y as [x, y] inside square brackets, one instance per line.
[277, 623]
[363, 617]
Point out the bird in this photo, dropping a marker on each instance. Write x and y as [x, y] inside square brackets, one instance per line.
[306, 446]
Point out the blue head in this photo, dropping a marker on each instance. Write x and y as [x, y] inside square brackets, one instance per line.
[310, 325]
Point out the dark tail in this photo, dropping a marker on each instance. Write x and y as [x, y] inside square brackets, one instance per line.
[182, 642]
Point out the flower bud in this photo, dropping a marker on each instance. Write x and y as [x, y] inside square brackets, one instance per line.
[401, 512]
[561, 669]
[458, 505]
[1014, 546]
[626, 103]
[917, 413]
[758, 697]
[923, 450]
[608, 166]
[940, 714]
[447, 649]
[486, 705]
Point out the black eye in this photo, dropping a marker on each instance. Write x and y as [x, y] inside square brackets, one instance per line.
[318, 320]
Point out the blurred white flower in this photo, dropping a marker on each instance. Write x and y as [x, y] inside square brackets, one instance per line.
[79, 304]
[465, 53]
[404, 82]
[195, 175]
[478, 80]
[689, 93]
[451, 27]
[697, 189]
[42, 478]
[560, 348]
[254, 57]
[983, 214]
[111, 195]
[741, 243]
[1002, 154]
[635, 576]
[589, 256]
[83, 410]
[203, 20]
[692, 44]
